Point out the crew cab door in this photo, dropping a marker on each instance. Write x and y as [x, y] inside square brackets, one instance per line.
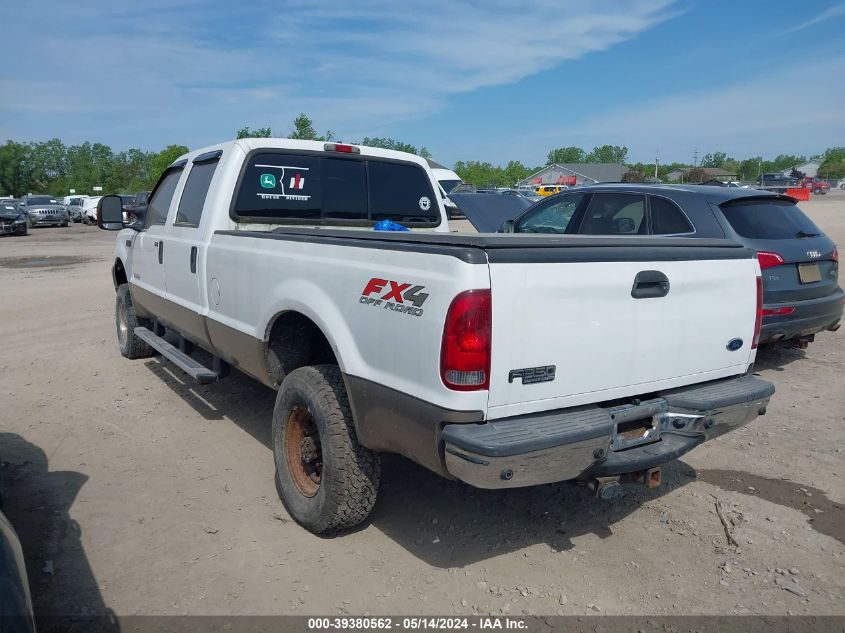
[186, 250]
[150, 248]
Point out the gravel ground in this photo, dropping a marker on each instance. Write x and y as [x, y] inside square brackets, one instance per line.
[136, 492]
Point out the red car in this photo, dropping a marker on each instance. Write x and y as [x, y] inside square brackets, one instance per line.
[816, 184]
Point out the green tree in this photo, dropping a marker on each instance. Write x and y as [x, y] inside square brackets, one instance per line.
[14, 172]
[696, 175]
[259, 132]
[388, 143]
[633, 175]
[716, 159]
[607, 154]
[163, 160]
[566, 155]
[303, 129]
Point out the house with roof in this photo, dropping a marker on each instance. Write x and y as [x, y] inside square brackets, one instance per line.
[575, 174]
[712, 173]
[810, 168]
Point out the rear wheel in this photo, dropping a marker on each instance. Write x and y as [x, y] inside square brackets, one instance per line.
[326, 479]
[126, 321]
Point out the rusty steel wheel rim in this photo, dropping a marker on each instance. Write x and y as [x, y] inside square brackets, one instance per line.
[303, 450]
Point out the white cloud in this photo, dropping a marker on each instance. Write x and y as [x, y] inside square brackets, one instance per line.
[209, 68]
[768, 115]
[831, 12]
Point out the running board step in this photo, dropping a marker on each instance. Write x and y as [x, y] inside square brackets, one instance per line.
[199, 372]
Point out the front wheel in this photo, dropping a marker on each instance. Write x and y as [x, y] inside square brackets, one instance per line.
[326, 479]
[126, 321]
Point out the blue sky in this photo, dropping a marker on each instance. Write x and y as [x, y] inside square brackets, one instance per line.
[485, 79]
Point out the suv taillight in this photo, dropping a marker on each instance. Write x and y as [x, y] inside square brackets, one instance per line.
[835, 256]
[758, 320]
[768, 260]
[465, 351]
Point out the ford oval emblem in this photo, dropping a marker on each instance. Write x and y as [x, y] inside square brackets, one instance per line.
[734, 344]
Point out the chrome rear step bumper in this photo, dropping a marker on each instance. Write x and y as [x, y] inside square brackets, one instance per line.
[593, 441]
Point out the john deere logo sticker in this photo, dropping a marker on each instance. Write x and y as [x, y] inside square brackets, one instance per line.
[268, 181]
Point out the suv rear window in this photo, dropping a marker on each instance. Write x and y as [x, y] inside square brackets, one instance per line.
[768, 219]
[287, 187]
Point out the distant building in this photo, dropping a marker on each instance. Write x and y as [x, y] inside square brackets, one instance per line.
[810, 168]
[575, 174]
[713, 173]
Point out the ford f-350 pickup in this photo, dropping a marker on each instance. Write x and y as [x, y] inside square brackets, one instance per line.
[501, 360]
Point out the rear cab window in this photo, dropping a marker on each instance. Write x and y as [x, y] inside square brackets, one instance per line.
[768, 219]
[309, 188]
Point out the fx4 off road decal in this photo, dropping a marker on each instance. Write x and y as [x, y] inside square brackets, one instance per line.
[397, 296]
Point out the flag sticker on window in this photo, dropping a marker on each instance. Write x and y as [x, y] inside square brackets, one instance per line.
[296, 182]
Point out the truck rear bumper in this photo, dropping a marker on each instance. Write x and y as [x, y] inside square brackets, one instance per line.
[595, 441]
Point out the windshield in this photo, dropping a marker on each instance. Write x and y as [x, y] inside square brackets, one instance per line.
[41, 200]
[769, 219]
[448, 185]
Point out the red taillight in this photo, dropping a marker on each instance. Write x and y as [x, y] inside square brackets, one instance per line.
[758, 321]
[465, 352]
[341, 147]
[768, 260]
[779, 311]
[835, 255]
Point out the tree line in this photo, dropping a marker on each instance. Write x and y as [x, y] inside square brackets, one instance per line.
[54, 168]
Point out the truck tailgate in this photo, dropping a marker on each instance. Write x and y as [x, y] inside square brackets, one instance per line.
[581, 318]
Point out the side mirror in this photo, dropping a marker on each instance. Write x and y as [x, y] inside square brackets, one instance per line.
[110, 213]
[507, 227]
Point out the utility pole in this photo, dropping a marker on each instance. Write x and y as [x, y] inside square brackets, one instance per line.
[695, 158]
[656, 161]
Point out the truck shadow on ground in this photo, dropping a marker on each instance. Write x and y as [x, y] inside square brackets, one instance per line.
[824, 515]
[458, 525]
[444, 523]
[37, 502]
[777, 358]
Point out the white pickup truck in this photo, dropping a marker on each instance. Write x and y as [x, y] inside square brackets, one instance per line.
[501, 360]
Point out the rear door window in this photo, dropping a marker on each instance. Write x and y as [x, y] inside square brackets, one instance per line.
[401, 192]
[161, 198]
[768, 219]
[667, 218]
[193, 197]
[614, 214]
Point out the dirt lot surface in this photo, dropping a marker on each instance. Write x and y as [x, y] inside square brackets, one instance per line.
[137, 492]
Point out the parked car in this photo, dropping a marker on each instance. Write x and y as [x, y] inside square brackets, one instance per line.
[841, 183]
[800, 264]
[13, 221]
[89, 209]
[819, 186]
[499, 360]
[74, 207]
[134, 206]
[550, 190]
[45, 211]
